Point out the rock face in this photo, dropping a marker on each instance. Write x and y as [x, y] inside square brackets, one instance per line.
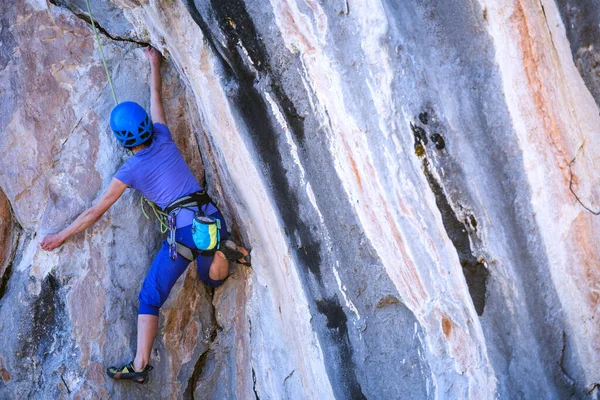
[418, 183]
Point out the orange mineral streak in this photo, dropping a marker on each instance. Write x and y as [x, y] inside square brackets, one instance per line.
[413, 284]
[587, 257]
[446, 326]
[537, 65]
[353, 165]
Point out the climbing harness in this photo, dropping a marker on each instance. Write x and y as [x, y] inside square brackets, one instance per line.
[206, 231]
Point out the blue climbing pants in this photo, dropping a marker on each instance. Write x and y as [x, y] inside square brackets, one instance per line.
[164, 272]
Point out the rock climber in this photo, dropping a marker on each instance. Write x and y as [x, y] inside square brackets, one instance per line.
[158, 170]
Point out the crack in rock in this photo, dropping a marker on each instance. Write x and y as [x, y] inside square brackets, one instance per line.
[254, 384]
[571, 184]
[86, 18]
[561, 362]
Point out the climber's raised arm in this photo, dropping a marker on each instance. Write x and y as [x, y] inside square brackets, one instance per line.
[88, 217]
[156, 108]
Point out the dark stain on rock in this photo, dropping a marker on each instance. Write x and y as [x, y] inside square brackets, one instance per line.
[419, 134]
[475, 271]
[47, 318]
[337, 322]
[386, 301]
[439, 141]
[295, 120]
[256, 113]
[581, 18]
[4, 279]
[235, 22]
[471, 222]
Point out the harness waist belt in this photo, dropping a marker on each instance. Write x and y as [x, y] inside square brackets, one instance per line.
[198, 199]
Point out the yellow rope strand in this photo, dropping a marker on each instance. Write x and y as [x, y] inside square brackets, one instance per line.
[101, 52]
[160, 215]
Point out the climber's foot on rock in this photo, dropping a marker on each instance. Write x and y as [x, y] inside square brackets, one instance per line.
[235, 253]
[128, 372]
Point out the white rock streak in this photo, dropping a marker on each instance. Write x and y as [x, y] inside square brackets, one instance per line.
[342, 288]
[354, 165]
[553, 114]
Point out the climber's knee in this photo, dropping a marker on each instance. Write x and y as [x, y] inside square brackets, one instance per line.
[212, 269]
[219, 268]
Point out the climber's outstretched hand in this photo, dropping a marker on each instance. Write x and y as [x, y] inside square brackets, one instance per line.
[88, 217]
[157, 112]
[51, 242]
[152, 55]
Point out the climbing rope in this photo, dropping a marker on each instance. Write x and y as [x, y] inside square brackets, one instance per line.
[87, 2]
[160, 215]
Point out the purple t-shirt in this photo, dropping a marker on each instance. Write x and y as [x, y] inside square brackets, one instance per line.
[160, 173]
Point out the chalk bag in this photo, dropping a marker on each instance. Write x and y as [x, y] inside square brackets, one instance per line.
[206, 232]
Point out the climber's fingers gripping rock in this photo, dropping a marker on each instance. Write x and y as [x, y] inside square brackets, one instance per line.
[152, 54]
[51, 242]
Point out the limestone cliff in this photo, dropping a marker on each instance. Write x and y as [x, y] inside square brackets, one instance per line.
[418, 182]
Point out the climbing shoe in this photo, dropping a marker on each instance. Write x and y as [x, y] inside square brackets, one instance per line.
[127, 372]
[232, 253]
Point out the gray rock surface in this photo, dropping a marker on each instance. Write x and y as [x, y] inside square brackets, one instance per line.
[417, 181]
[581, 23]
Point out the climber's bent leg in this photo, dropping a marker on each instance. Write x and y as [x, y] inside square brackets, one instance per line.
[147, 328]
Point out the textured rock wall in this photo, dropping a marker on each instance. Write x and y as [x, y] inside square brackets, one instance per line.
[417, 181]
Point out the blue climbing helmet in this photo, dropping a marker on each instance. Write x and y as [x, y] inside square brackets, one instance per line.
[130, 124]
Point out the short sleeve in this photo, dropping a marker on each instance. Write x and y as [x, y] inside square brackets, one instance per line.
[161, 131]
[125, 174]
